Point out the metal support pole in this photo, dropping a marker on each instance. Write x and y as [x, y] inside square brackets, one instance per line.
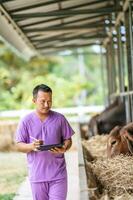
[113, 67]
[129, 45]
[128, 108]
[108, 73]
[120, 60]
[103, 81]
[123, 49]
[82, 72]
[110, 68]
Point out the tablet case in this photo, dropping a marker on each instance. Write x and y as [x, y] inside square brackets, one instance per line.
[48, 147]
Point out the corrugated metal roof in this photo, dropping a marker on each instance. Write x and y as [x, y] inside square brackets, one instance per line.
[48, 26]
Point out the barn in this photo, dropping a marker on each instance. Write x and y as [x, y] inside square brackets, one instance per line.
[48, 27]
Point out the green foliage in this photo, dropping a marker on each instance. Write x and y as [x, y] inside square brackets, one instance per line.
[18, 78]
[7, 196]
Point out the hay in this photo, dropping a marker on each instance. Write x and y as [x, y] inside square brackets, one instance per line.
[115, 175]
[96, 145]
[7, 132]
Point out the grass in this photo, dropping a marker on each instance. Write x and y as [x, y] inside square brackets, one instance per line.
[7, 196]
[12, 172]
[9, 118]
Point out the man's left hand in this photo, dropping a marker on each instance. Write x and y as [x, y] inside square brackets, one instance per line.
[59, 150]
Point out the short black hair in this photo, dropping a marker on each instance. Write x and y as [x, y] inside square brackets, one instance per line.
[41, 87]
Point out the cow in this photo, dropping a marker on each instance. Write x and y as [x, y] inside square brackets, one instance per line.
[104, 122]
[120, 141]
[127, 133]
[117, 143]
[111, 118]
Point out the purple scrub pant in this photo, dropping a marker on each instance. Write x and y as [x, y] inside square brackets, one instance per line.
[52, 190]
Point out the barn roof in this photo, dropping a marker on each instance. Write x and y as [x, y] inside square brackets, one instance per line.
[50, 26]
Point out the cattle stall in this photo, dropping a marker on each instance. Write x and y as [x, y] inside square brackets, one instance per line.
[119, 59]
[49, 27]
[108, 178]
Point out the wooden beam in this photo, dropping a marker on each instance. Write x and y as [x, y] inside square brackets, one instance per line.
[4, 1]
[35, 5]
[56, 1]
[65, 23]
[67, 28]
[65, 36]
[96, 36]
[14, 35]
[67, 46]
[54, 50]
[105, 10]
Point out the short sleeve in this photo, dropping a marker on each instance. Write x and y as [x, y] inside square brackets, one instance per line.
[22, 132]
[67, 130]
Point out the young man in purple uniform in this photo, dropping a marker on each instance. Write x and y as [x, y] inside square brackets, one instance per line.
[47, 169]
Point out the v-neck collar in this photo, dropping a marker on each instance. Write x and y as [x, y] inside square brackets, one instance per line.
[45, 120]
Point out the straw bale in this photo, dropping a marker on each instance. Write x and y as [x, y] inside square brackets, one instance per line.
[115, 175]
[96, 145]
[7, 132]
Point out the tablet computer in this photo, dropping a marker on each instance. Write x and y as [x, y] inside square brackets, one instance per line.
[48, 147]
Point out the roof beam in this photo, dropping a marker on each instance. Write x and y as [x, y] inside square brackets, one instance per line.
[91, 17]
[14, 35]
[35, 36]
[41, 22]
[67, 28]
[55, 52]
[35, 5]
[4, 1]
[53, 2]
[96, 36]
[67, 47]
[105, 10]
[57, 18]
[72, 7]
[82, 37]
[50, 38]
[60, 18]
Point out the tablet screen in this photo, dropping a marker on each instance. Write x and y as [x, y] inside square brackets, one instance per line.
[48, 147]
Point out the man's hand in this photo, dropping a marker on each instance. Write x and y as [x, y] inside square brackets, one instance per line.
[26, 148]
[66, 146]
[58, 150]
[36, 144]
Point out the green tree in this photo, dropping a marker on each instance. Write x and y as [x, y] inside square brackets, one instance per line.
[18, 78]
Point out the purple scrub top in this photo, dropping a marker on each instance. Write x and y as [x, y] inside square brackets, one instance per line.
[45, 166]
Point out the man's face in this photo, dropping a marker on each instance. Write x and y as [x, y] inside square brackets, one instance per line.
[43, 101]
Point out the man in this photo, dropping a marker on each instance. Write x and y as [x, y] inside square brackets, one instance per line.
[47, 169]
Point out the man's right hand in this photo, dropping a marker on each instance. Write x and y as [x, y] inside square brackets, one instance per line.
[27, 148]
[36, 144]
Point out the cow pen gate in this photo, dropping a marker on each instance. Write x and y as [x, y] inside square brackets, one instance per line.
[119, 57]
[49, 27]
